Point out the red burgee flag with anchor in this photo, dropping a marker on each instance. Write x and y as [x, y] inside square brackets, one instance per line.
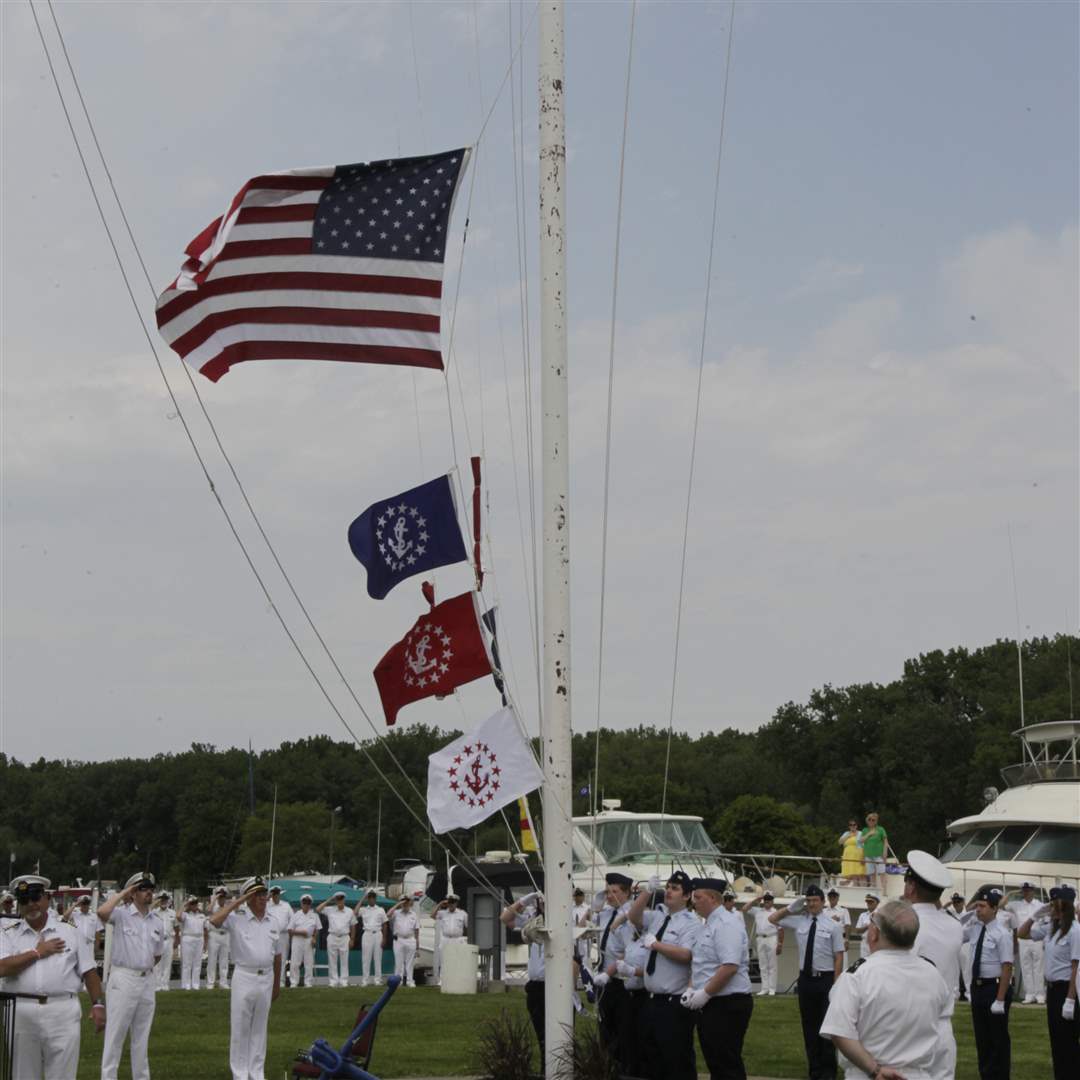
[479, 773]
[446, 648]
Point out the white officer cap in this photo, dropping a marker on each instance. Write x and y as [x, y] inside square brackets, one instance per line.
[275, 888]
[221, 891]
[873, 896]
[142, 877]
[22, 885]
[304, 898]
[452, 896]
[253, 885]
[926, 868]
[83, 900]
[5, 895]
[191, 900]
[338, 896]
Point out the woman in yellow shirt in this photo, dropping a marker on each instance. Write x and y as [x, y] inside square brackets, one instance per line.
[852, 865]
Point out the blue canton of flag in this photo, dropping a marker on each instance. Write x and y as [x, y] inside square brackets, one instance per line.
[408, 534]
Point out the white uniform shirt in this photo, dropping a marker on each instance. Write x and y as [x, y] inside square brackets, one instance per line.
[893, 1005]
[997, 947]
[939, 939]
[863, 924]
[405, 924]
[138, 940]
[1060, 949]
[252, 941]
[168, 920]
[307, 921]
[828, 940]
[614, 947]
[669, 976]
[535, 969]
[372, 917]
[192, 924]
[1007, 919]
[583, 914]
[1022, 910]
[59, 973]
[339, 922]
[452, 924]
[216, 906]
[839, 914]
[87, 924]
[722, 940]
[637, 956]
[281, 913]
[762, 927]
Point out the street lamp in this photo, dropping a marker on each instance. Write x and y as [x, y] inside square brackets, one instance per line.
[333, 817]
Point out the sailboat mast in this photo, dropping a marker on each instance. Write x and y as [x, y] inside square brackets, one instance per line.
[555, 428]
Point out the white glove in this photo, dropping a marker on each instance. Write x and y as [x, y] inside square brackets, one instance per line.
[598, 901]
[601, 979]
[694, 1000]
[627, 971]
[1068, 1009]
[648, 940]
[796, 905]
[998, 1008]
[654, 883]
[529, 898]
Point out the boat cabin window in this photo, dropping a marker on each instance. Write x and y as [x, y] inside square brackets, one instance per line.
[968, 846]
[617, 840]
[1009, 841]
[1054, 843]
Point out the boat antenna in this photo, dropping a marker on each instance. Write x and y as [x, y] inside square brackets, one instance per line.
[1016, 606]
[1068, 664]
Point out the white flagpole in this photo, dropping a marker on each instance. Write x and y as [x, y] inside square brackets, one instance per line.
[558, 978]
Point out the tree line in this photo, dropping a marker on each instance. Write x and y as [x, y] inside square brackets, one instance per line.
[920, 750]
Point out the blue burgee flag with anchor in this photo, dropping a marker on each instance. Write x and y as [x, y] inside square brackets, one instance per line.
[408, 534]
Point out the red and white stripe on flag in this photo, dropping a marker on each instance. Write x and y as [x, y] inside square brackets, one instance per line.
[273, 278]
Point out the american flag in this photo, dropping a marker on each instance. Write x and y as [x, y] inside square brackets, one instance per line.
[336, 263]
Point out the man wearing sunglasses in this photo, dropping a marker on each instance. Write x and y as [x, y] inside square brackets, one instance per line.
[47, 962]
[138, 943]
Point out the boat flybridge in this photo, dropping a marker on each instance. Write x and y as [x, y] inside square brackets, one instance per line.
[1031, 830]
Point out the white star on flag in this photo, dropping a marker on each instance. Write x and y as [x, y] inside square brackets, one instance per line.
[479, 773]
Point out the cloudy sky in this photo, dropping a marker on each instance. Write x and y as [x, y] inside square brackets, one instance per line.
[890, 384]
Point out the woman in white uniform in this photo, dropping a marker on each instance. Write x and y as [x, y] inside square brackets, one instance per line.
[340, 920]
[405, 927]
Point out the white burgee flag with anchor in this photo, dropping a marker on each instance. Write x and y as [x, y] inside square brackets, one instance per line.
[479, 773]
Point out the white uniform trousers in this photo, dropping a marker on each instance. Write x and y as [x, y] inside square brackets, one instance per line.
[249, 1010]
[371, 956]
[164, 965]
[301, 951]
[1031, 970]
[47, 1038]
[436, 959]
[404, 958]
[337, 955]
[129, 1005]
[190, 961]
[217, 959]
[965, 969]
[766, 954]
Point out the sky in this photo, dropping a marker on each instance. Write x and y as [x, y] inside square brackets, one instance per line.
[889, 397]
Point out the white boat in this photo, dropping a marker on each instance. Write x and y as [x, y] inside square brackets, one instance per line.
[1031, 830]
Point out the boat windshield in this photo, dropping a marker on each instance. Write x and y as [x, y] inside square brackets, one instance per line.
[1032, 843]
[617, 840]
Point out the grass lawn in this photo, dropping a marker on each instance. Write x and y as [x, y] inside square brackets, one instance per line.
[424, 1033]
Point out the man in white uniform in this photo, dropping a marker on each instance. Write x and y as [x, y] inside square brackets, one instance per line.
[452, 923]
[193, 935]
[302, 930]
[991, 941]
[1031, 951]
[340, 921]
[838, 913]
[767, 937]
[84, 920]
[516, 915]
[217, 949]
[281, 912]
[163, 910]
[939, 939]
[138, 943]
[46, 958]
[7, 906]
[372, 919]
[957, 909]
[256, 981]
[863, 924]
[405, 927]
[583, 913]
[884, 1017]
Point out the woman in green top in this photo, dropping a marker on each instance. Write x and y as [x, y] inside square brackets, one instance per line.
[875, 844]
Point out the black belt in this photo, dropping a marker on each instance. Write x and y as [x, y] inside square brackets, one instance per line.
[817, 974]
[1057, 982]
[44, 999]
[663, 997]
[991, 980]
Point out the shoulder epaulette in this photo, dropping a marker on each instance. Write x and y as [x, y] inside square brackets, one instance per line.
[858, 964]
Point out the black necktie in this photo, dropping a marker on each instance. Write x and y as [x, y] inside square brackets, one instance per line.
[808, 958]
[650, 967]
[978, 954]
[603, 940]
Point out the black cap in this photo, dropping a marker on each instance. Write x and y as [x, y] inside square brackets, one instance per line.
[681, 879]
[956, 896]
[619, 879]
[579, 892]
[1063, 892]
[716, 884]
[833, 892]
[814, 890]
